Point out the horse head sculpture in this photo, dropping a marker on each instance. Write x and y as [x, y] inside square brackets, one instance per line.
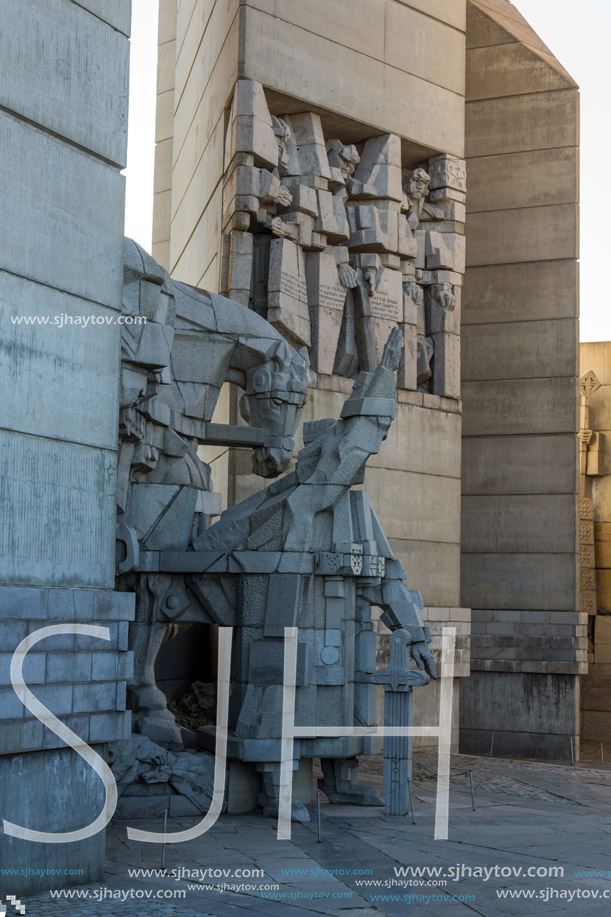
[180, 344]
[276, 392]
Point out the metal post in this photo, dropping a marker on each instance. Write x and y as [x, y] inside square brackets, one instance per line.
[602, 755]
[411, 804]
[165, 828]
[572, 751]
[318, 807]
[472, 793]
[491, 744]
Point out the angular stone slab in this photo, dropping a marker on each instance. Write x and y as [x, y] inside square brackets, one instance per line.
[78, 398]
[68, 71]
[44, 179]
[61, 528]
[117, 13]
[327, 298]
[287, 292]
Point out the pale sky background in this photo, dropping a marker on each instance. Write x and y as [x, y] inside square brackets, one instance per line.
[578, 34]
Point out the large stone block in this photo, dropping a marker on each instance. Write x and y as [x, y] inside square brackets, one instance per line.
[166, 66]
[431, 567]
[117, 13]
[163, 166]
[326, 297]
[525, 703]
[520, 464]
[49, 805]
[509, 70]
[596, 726]
[539, 523]
[84, 99]
[209, 31]
[546, 581]
[184, 14]
[539, 121]
[600, 415]
[519, 406]
[536, 178]
[44, 180]
[454, 12]
[416, 506]
[520, 350]
[482, 31]
[189, 203]
[420, 440]
[162, 221]
[520, 292]
[363, 30]
[287, 291]
[60, 504]
[167, 19]
[62, 375]
[299, 63]
[164, 118]
[410, 37]
[186, 256]
[601, 503]
[523, 235]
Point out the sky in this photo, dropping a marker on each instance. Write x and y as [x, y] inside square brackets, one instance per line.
[577, 33]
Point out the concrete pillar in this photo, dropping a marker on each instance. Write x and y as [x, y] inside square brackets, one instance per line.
[63, 124]
[519, 331]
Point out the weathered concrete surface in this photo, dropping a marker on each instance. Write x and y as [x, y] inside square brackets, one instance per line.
[519, 406]
[497, 292]
[62, 500]
[56, 781]
[519, 464]
[396, 96]
[522, 581]
[530, 715]
[520, 350]
[539, 120]
[45, 179]
[67, 71]
[512, 523]
[553, 179]
[63, 136]
[117, 13]
[79, 401]
[522, 235]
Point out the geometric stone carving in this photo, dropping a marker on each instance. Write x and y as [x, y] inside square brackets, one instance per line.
[309, 199]
[287, 292]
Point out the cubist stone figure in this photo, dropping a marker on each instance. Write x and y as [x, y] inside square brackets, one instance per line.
[321, 236]
[310, 552]
[172, 370]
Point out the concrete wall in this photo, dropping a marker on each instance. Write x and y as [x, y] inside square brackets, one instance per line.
[198, 67]
[63, 129]
[519, 333]
[369, 66]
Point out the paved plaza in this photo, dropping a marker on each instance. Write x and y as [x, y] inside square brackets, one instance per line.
[528, 815]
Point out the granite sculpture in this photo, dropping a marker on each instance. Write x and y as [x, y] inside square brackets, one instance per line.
[179, 345]
[309, 551]
[306, 551]
[151, 779]
[323, 238]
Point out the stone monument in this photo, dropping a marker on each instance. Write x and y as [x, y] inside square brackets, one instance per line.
[336, 247]
[306, 551]
[178, 348]
[309, 552]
